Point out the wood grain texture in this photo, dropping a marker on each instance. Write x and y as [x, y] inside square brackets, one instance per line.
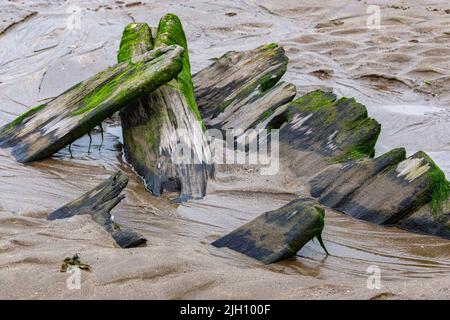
[390, 190]
[247, 112]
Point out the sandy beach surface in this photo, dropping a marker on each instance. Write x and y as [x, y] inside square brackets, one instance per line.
[400, 71]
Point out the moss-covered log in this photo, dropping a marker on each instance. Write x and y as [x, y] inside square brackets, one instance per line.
[279, 234]
[98, 203]
[233, 76]
[158, 125]
[45, 129]
[317, 130]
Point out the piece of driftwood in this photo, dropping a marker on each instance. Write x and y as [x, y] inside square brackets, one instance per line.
[234, 75]
[426, 221]
[335, 184]
[162, 130]
[279, 234]
[411, 193]
[98, 203]
[47, 128]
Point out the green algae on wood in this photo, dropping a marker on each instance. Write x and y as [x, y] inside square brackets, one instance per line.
[170, 32]
[362, 143]
[46, 129]
[136, 40]
[304, 105]
[334, 184]
[131, 73]
[245, 114]
[279, 234]
[385, 190]
[261, 82]
[439, 189]
[20, 119]
[313, 101]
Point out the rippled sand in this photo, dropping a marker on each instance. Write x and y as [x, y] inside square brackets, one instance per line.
[400, 72]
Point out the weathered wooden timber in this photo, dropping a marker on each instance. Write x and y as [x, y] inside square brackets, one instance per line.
[98, 203]
[279, 234]
[233, 76]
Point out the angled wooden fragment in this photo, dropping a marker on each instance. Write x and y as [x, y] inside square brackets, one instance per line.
[248, 112]
[232, 77]
[279, 234]
[98, 203]
[47, 128]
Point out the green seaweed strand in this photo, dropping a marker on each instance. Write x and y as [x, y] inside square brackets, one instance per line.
[70, 151]
[319, 238]
[90, 142]
[101, 134]
[321, 211]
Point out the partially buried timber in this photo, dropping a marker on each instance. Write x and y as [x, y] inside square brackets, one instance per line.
[279, 234]
[163, 133]
[98, 203]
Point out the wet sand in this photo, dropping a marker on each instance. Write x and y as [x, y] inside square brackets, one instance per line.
[388, 70]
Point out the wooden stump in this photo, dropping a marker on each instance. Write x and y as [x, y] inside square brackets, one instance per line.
[162, 131]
